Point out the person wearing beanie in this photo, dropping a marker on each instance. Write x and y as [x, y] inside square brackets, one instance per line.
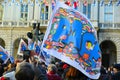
[116, 70]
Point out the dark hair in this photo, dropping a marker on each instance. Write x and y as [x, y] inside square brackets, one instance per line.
[25, 72]
[117, 66]
[26, 55]
[74, 74]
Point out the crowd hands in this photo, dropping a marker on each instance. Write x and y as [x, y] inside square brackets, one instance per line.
[30, 68]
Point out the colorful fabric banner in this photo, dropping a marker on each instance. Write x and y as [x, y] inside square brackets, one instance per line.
[45, 57]
[37, 47]
[4, 55]
[71, 38]
[30, 44]
[22, 46]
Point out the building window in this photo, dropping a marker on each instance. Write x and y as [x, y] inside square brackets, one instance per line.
[24, 12]
[44, 12]
[108, 13]
[87, 10]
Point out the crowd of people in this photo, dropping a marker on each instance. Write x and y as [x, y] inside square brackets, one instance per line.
[112, 73]
[29, 68]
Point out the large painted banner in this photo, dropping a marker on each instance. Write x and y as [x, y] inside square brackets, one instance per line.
[71, 37]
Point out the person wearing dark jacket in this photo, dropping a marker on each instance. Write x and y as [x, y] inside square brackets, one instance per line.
[1, 67]
[116, 70]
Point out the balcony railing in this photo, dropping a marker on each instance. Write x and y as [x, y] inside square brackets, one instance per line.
[45, 24]
[22, 23]
[109, 25]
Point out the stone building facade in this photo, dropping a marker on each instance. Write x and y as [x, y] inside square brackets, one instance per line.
[17, 16]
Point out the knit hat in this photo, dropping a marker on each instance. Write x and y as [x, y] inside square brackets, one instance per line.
[117, 66]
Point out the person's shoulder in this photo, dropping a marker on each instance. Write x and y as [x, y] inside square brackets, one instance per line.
[10, 75]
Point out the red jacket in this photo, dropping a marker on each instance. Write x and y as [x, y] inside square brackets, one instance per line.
[53, 76]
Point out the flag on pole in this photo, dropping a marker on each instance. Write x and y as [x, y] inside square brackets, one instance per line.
[30, 44]
[72, 39]
[37, 47]
[53, 4]
[4, 55]
[75, 4]
[22, 47]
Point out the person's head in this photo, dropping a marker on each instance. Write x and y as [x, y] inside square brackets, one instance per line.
[26, 55]
[116, 68]
[24, 71]
[74, 74]
[52, 68]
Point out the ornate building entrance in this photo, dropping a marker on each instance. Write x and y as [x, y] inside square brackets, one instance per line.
[108, 49]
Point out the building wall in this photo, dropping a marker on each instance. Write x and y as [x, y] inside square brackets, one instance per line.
[114, 36]
[11, 13]
[10, 34]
